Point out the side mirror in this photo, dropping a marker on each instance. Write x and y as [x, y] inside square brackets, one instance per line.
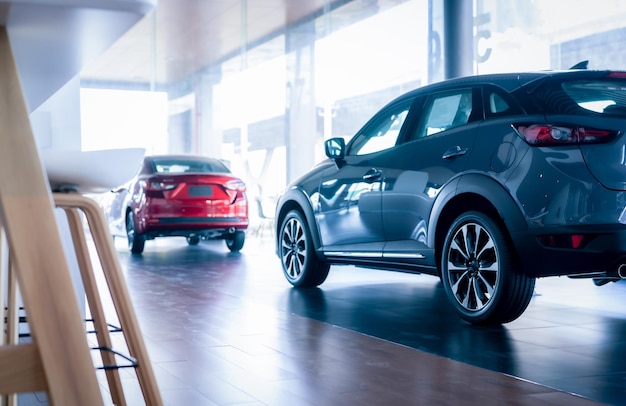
[335, 148]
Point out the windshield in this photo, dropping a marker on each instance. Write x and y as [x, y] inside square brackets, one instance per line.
[188, 165]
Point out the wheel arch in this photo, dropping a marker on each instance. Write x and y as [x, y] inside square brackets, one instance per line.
[473, 192]
[296, 199]
[139, 225]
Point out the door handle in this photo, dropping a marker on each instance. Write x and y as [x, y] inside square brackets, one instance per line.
[372, 175]
[454, 151]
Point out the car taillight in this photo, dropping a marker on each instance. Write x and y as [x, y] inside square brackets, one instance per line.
[550, 135]
[162, 186]
[156, 189]
[236, 185]
[235, 189]
[574, 241]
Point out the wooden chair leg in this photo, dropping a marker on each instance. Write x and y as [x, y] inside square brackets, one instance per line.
[120, 297]
[12, 317]
[7, 302]
[94, 302]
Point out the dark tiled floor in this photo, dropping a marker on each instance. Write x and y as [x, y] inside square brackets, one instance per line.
[227, 329]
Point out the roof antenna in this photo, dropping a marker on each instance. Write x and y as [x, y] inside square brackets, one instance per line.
[580, 65]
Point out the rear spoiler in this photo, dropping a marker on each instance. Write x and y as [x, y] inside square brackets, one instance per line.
[580, 65]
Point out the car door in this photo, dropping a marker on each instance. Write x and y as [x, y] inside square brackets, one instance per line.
[436, 149]
[349, 207]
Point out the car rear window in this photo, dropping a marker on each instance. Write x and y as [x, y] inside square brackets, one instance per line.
[191, 166]
[599, 96]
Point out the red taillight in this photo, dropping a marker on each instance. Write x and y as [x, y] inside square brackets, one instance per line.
[577, 240]
[162, 186]
[550, 135]
[235, 184]
[546, 134]
[155, 188]
[235, 189]
[573, 241]
[593, 135]
[616, 75]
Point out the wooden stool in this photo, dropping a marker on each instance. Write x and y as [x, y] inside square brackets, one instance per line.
[58, 360]
[74, 204]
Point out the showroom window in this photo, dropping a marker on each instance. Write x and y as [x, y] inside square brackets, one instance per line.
[268, 108]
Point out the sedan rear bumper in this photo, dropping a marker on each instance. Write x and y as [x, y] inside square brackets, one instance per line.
[206, 228]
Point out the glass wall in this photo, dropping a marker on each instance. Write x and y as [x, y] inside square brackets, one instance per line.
[551, 34]
[268, 109]
[322, 78]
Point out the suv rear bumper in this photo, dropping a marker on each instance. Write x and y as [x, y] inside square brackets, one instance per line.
[598, 250]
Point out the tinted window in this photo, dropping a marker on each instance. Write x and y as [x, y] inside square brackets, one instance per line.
[445, 111]
[605, 95]
[497, 104]
[600, 96]
[382, 132]
[186, 165]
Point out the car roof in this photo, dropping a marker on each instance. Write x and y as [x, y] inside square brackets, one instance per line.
[511, 81]
[181, 157]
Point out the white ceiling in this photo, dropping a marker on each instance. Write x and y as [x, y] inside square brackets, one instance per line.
[52, 40]
[191, 34]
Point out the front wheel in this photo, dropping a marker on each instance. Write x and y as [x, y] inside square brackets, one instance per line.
[479, 272]
[236, 241]
[301, 266]
[136, 242]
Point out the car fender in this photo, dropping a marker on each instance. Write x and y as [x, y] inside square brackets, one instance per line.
[488, 188]
[445, 195]
[298, 198]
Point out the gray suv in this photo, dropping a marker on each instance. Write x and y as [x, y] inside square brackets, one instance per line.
[487, 182]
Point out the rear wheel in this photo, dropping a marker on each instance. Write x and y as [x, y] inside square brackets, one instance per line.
[136, 242]
[193, 240]
[301, 266]
[236, 241]
[479, 272]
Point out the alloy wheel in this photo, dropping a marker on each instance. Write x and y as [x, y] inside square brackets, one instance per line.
[293, 248]
[473, 266]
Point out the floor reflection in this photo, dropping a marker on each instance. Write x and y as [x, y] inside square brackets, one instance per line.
[416, 315]
[571, 338]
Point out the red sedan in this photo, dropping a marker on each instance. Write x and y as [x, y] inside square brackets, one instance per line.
[181, 195]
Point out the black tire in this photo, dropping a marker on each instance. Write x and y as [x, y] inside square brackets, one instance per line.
[136, 242]
[301, 265]
[236, 241]
[480, 275]
[193, 240]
